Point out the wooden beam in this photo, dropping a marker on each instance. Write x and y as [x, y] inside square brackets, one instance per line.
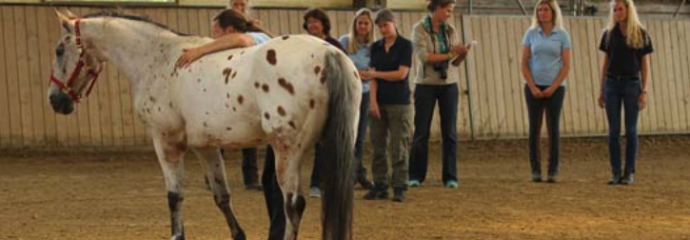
[406, 4]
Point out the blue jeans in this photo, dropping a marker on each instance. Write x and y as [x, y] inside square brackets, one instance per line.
[622, 93]
[360, 171]
[535, 110]
[425, 97]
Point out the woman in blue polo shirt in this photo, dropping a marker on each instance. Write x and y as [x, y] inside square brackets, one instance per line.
[627, 46]
[545, 64]
[391, 112]
[357, 45]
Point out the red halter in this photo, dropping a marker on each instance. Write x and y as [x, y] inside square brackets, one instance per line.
[67, 88]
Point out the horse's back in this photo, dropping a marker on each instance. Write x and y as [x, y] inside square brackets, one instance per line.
[250, 96]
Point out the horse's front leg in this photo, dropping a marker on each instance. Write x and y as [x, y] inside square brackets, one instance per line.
[216, 177]
[170, 153]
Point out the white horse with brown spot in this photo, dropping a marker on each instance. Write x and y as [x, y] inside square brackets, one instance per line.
[289, 92]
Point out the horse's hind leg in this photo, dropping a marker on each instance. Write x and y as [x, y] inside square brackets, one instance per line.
[171, 158]
[215, 174]
[287, 172]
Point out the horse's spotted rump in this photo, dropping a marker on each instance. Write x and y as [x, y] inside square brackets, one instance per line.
[281, 111]
[271, 57]
[317, 70]
[312, 103]
[265, 87]
[227, 72]
[286, 37]
[267, 116]
[240, 99]
[286, 85]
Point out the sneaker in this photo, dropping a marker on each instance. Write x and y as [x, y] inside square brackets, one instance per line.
[414, 183]
[398, 195]
[452, 184]
[315, 192]
[615, 179]
[253, 186]
[375, 194]
[365, 183]
[536, 177]
[627, 179]
[551, 179]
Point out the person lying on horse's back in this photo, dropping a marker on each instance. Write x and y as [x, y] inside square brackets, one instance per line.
[231, 29]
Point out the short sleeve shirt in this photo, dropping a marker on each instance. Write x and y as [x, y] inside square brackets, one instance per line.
[399, 54]
[546, 60]
[360, 59]
[624, 60]
[258, 37]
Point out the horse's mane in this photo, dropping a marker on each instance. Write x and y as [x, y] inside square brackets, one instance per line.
[134, 18]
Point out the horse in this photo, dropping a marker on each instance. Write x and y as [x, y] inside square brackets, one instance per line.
[289, 92]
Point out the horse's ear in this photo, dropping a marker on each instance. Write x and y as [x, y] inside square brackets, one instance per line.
[64, 20]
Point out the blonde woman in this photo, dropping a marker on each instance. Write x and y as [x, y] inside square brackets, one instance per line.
[625, 74]
[545, 64]
[358, 45]
[243, 7]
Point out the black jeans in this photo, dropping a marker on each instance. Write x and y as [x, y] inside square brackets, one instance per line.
[535, 109]
[250, 168]
[425, 98]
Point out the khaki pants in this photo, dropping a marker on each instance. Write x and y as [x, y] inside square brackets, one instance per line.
[396, 121]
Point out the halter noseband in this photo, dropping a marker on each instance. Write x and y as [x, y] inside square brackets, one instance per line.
[67, 88]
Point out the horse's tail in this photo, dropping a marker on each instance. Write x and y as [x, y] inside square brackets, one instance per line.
[338, 147]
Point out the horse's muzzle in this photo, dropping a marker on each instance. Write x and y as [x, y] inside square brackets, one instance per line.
[61, 103]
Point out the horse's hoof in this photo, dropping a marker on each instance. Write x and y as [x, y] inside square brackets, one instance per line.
[239, 236]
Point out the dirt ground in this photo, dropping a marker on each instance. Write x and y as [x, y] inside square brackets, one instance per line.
[115, 195]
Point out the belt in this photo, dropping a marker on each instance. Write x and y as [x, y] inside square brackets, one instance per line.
[622, 78]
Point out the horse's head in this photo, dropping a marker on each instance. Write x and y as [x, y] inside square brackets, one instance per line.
[76, 66]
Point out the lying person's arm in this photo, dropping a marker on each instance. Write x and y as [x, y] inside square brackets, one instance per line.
[230, 41]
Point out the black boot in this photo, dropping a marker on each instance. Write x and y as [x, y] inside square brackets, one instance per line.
[377, 192]
[627, 179]
[399, 194]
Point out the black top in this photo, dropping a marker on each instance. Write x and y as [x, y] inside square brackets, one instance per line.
[624, 60]
[335, 43]
[400, 54]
